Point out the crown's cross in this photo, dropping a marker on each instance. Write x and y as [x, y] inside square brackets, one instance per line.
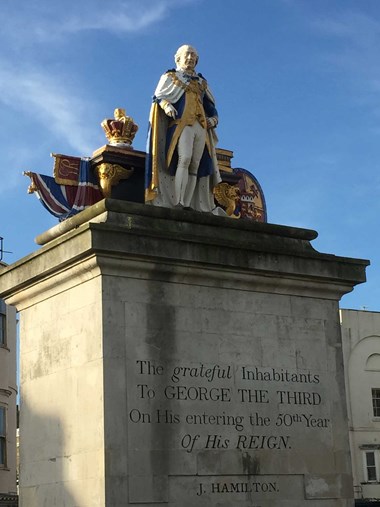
[121, 130]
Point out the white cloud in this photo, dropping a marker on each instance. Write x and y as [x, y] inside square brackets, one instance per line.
[356, 41]
[123, 19]
[354, 51]
[49, 22]
[59, 110]
[354, 26]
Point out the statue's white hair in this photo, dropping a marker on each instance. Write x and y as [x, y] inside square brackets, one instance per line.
[182, 49]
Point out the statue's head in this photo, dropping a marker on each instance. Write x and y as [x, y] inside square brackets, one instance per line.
[186, 57]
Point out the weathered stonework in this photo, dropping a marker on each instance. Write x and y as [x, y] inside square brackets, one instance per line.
[181, 359]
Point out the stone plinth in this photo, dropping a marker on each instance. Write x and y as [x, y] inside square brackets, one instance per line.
[181, 359]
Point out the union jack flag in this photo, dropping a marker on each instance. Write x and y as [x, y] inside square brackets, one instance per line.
[65, 201]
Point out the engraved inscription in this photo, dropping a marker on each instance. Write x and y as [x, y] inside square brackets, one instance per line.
[246, 409]
[239, 403]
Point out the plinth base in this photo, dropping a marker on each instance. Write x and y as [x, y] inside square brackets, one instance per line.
[181, 359]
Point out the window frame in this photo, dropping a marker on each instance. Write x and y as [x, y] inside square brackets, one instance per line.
[3, 330]
[3, 324]
[375, 393]
[367, 466]
[3, 437]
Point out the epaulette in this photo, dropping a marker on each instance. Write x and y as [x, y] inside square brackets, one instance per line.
[170, 70]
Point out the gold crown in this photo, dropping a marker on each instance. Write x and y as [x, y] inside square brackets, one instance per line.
[121, 130]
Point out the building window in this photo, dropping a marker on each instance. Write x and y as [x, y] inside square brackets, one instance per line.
[376, 402]
[370, 466]
[3, 437]
[3, 324]
[3, 329]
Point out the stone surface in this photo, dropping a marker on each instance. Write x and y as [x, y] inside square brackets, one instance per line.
[8, 398]
[175, 358]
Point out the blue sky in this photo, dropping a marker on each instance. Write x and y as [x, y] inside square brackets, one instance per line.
[297, 84]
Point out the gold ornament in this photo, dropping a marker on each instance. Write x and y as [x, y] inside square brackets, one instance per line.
[121, 130]
[32, 187]
[110, 175]
[227, 196]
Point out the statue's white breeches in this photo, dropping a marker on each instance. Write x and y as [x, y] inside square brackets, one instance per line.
[190, 149]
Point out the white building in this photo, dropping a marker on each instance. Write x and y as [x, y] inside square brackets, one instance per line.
[361, 350]
[8, 393]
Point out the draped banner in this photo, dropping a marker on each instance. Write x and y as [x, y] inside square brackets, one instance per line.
[66, 200]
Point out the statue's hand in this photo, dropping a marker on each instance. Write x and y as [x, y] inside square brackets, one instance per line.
[212, 122]
[169, 109]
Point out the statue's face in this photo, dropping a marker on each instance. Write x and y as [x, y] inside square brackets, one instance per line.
[187, 59]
